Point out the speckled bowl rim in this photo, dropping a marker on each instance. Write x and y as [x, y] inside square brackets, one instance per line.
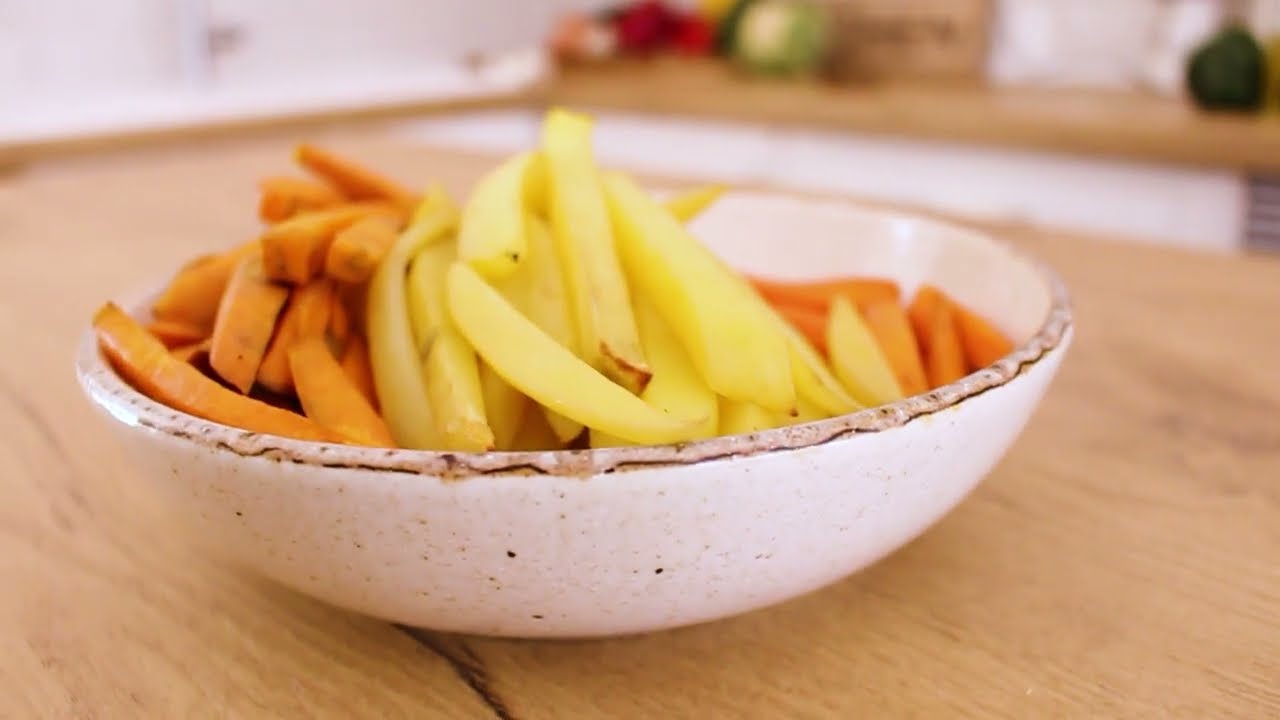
[126, 405]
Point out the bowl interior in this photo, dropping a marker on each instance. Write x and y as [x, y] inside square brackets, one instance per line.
[796, 238]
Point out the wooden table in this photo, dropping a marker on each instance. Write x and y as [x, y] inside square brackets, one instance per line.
[1122, 562]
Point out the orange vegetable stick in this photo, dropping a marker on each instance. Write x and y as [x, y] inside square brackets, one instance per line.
[174, 333]
[294, 250]
[306, 316]
[283, 197]
[354, 297]
[817, 294]
[943, 355]
[330, 398]
[144, 363]
[983, 344]
[339, 320]
[188, 353]
[245, 324]
[810, 322]
[192, 296]
[355, 363]
[921, 312]
[357, 249]
[355, 181]
[889, 324]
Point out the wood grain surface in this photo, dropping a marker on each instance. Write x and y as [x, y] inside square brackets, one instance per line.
[1122, 562]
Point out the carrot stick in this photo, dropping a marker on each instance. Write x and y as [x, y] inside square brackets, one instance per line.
[889, 324]
[188, 353]
[283, 197]
[921, 312]
[817, 294]
[810, 322]
[174, 333]
[354, 299]
[144, 363]
[355, 363]
[294, 250]
[943, 354]
[339, 320]
[355, 181]
[983, 344]
[246, 318]
[193, 294]
[306, 316]
[357, 249]
[330, 398]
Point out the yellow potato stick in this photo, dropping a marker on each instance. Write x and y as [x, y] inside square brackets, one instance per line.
[600, 302]
[534, 363]
[740, 355]
[425, 288]
[457, 402]
[739, 418]
[504, 407]
[397, 370]
[676, 387]
[859, 362]
[492, 234]
[688, 205]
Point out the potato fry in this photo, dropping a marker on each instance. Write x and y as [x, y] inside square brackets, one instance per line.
[688, 205]
[859, 362]
[739, 418]
[492, 236]
[676, 388]
[739, 354]
[540, 293]
[457, 402]
[534, 363]
[428, 312]
[504, 407]
[398, 380]
[580, 223]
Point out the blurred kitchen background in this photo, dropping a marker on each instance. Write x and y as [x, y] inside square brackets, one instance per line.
[1148, 119]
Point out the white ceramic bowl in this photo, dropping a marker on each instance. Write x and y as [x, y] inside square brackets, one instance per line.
[604, 542]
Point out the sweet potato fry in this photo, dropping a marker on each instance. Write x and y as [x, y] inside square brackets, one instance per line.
[192, 296]
[889, 324]
[355, 363]
[339, 329]
[175, 333]
[330, 398]
[817, 294]
[294, 250]
[189, 353]
[983, 344]
[943, 355]
[143, 362]
[921, 310]
[306, 316]
[357, 249]
[354, 180]
[281, 198]
[246, 321]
